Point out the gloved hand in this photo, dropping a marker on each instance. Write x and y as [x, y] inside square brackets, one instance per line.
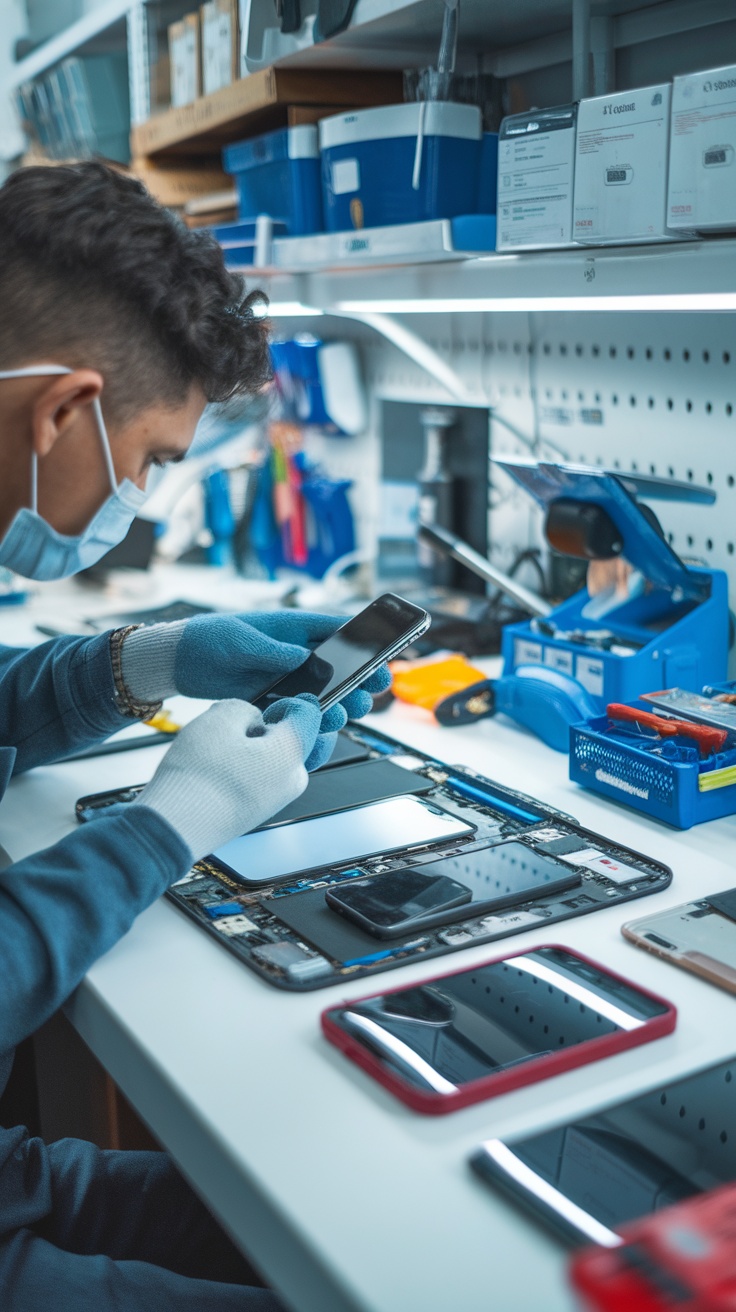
[232, 768]
[215, 656]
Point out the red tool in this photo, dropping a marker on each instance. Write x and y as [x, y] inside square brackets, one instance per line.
[708, 739]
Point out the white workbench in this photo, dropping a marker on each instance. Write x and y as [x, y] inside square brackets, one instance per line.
[344, 1197]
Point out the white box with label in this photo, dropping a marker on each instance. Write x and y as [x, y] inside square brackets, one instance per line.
[621, 167]
[536, 169]
[702, 183]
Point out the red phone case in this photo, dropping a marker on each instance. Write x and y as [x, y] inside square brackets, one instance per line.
[491, 1086]
[683, 1258]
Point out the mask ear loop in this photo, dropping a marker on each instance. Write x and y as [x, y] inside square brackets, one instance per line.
[38, 371]
[104, 439]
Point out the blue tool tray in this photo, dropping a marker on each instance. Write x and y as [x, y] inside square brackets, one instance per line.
[676, 629]
[646, 774]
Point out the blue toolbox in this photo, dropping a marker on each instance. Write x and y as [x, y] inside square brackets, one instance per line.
[677, 772]
[279, 174]
[670, 629]
[401, 164]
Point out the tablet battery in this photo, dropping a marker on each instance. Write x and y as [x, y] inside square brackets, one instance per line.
[269, 855]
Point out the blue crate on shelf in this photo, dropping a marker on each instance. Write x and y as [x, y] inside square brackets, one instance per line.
[278, 174]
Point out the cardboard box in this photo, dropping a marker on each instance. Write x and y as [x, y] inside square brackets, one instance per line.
[536, 171]
[621, 167]
[702, 181]
[219, 26]
[184, 53]
[174, 186]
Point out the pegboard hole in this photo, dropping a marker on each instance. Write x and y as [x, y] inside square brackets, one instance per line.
[706, 357]
[614, 399]
[686, 354]
[709, 544]
[709, 477]
[730, 480]
[632, 400]
[708, 408]
[729, 548]
[612, 352]
[648, 353]
[688, 406]
[578, 349]
[726, 357]
[670, 403]
[667, 353]
[701, 1124]
[595, 350]
[630, 352]
[723, 1137]
[650, 402]
[729, 408]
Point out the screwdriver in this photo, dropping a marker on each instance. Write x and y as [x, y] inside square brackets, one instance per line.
[707, 738]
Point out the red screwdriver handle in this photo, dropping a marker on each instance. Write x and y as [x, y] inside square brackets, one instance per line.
[708, 738]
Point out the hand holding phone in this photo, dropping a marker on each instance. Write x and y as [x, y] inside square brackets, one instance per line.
[355, 651]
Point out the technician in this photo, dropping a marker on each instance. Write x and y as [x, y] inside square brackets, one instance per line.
[117, 326]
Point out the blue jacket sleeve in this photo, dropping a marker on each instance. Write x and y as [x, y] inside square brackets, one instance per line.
[62, 908]
[57, 698]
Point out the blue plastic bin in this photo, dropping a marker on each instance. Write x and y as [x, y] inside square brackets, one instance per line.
[668, 790]
[400, 164]
[279, 174]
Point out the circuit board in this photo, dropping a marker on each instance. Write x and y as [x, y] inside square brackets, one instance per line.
[288, 935]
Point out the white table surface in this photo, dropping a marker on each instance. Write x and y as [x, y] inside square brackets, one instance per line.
[343, 1196]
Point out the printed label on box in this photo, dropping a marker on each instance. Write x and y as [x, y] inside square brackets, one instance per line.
[345, 176]
[558, 659]
[702, 177]
[589, 672]
[527, 653]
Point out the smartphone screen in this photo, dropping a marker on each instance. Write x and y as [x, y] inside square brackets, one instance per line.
[393, 902]
[380, 631]
[493, 877]
[401, 822]
[590, 1177]
[479, 1023]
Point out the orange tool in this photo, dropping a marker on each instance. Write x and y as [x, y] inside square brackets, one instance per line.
[707, 738]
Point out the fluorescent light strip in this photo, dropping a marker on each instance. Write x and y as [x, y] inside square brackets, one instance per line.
[527, 304]
[546, 1193]
[402, 1052]
[617, 1015]
[286, 310]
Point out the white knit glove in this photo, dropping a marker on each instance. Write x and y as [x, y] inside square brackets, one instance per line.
[231, 769]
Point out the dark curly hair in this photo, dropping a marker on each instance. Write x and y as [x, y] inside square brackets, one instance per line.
[93, 272]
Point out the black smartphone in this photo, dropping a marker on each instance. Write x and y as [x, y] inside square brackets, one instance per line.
[354, 652]
[589, 1178]
[447, 1042]
[504, 875]
[389, 905]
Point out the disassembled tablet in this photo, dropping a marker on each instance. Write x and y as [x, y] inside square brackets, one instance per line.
[698, 936]
[286, 932]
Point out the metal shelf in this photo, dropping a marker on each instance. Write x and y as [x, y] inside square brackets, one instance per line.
[698, 275]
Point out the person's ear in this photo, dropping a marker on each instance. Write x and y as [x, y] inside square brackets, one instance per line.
[58, 405]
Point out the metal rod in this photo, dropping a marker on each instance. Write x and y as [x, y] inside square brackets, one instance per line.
[447, 544]
[580, 49]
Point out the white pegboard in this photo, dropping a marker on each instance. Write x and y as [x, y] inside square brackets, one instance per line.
[649, 392]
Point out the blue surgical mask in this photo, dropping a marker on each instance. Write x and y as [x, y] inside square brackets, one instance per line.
[32, 548]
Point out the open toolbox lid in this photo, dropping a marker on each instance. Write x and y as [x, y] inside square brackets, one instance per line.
[615, 493]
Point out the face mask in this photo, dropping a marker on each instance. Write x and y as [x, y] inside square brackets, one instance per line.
[34, 549]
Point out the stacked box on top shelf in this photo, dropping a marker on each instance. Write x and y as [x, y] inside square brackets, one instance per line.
[702, 179]
[621, 167]
[536, 170]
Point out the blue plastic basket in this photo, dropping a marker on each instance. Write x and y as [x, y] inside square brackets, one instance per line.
[665, 789]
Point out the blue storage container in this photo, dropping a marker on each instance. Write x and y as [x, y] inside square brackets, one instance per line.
[279, 174]
[400, 164]
[647, 775]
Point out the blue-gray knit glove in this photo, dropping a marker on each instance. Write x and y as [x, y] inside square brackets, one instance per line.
[218, 656]
[232, 768]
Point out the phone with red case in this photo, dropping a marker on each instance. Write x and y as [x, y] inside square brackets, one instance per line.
[683, 1257]
[459, 1038]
